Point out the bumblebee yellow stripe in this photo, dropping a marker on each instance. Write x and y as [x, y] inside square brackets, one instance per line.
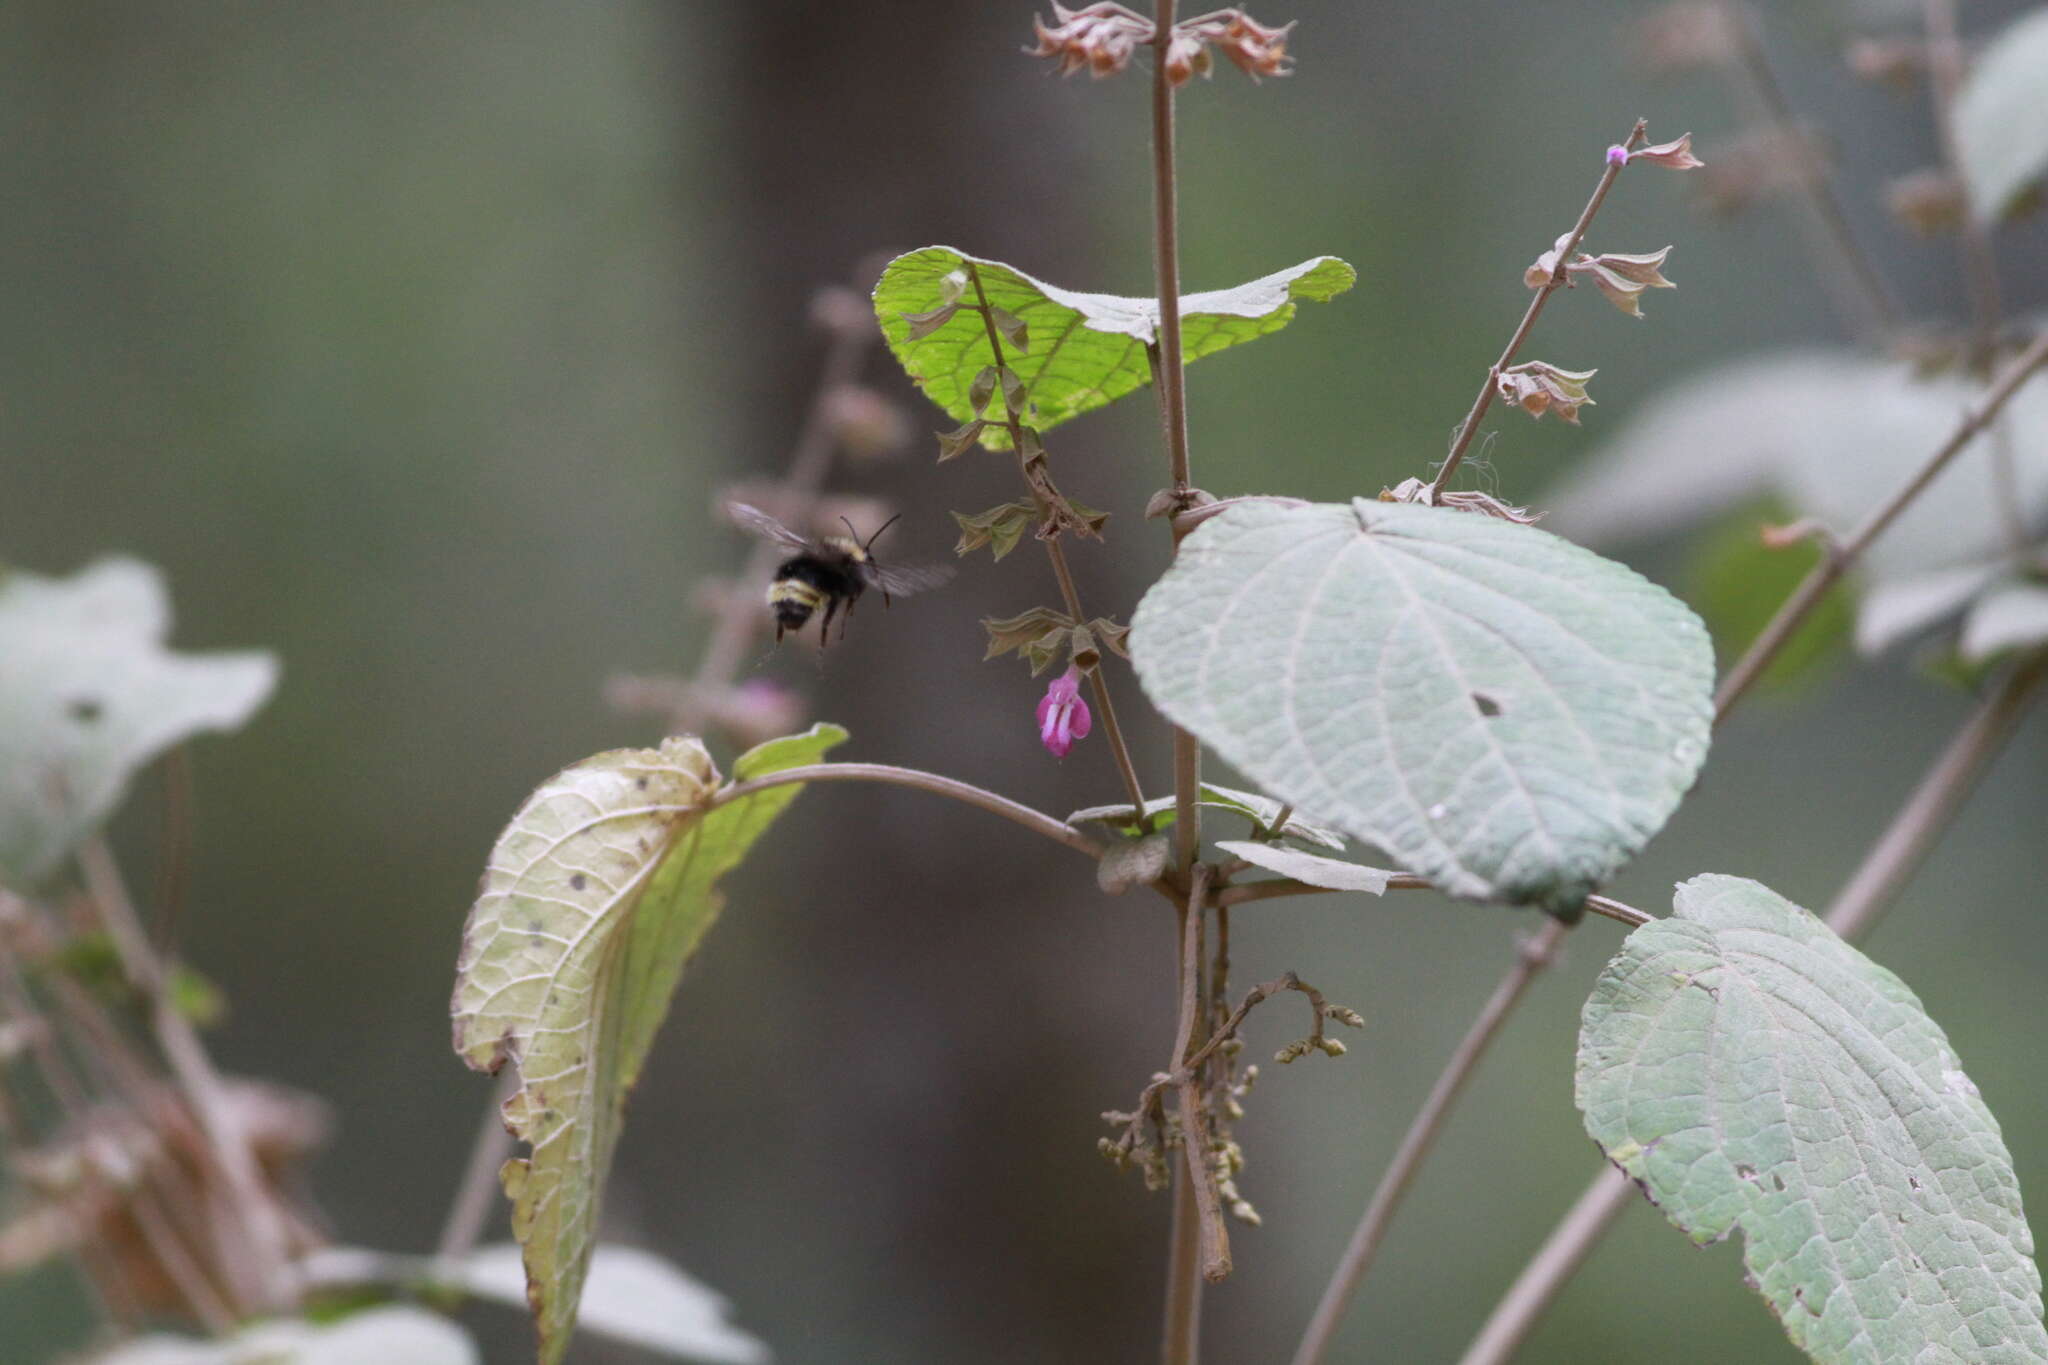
[794, 590]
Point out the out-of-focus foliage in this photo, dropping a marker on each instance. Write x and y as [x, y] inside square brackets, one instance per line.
[2001, 117]
[89, 694]
[1735, 581]
[411, 1336]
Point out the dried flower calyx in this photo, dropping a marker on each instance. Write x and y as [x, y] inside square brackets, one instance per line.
[1621, 276]
[1041, 635]
[1417, 491]
[1538, 387]
[1101, 39]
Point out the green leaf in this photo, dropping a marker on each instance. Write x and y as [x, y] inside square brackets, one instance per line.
[89, 695]
[2013, 615]
[1088, 349]
[1493, 707]
[1261, 811]
[2001, 117]
[1332, 873]
[1751, 1071]
[1737, 583]
[595, 898]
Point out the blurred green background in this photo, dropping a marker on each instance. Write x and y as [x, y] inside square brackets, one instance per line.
[413, 341]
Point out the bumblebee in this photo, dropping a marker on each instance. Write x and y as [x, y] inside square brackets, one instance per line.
[829, 572]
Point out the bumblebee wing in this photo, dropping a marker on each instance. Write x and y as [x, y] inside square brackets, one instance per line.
[902, 580]
[756, 522]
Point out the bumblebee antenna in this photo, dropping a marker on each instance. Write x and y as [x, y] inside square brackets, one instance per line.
[878, 533]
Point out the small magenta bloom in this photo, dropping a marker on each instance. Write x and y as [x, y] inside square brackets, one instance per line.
[1617, 155]
[1062, 715]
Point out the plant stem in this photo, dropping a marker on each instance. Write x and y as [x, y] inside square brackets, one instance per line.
[264, 1273]
[1837, 561]
[1491, 383]
[471, 1208]
[1880, 316]
[1980, 265]
[1036, 821]
[1200, 1244]
[1171, 376]
[740, 618]
[1111, 731]
[1884, 871]
[1536, 954]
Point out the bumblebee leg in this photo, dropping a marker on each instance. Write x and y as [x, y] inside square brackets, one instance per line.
[825, 626]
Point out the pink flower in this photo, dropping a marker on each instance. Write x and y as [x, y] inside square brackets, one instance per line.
[1062, 715]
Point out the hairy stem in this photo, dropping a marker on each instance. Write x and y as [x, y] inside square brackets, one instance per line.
[1198, 1234]
[1536, 954]
[1274, 888]
[1884, 871]
[1838, 561]
[1111, 730]
[1487, 388]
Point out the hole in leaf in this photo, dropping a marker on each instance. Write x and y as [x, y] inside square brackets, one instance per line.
[86, 710]
[1745, 1172]
[1914, 1181]
[1488, 706]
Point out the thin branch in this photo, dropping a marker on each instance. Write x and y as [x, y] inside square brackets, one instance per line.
[1036, 821]
[1491, 383]
[1536, 954]
[476, 1193]
[1847, 256]
[1191, 1050]
[266, 1266]
[1831, 567]
[1111, 730]
[1980, 264]
[1885, 869]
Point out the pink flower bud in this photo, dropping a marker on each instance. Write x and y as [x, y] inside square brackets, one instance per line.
[1062, 715]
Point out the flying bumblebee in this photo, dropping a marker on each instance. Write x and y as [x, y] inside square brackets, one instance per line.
[829, 572]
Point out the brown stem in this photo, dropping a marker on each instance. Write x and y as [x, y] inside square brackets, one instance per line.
[1491, 383]
[1036, 821]
[1843, 254]
[263, 1273]
[1537, 953]
[1111, 730]
[1832, 566]
[1190, 1051]
[1277, 887]
[1980, 264]
[477, 1192]
[1195, 1199]
[1885, 869]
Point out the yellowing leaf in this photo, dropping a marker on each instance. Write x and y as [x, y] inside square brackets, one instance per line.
[595, 897]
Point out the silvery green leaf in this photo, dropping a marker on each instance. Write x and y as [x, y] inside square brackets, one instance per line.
[2001, 117]
[89, 694]
[2011, 616]
[631, 1295]
[1332, 873]
[1493, 707]
[1754, 1073]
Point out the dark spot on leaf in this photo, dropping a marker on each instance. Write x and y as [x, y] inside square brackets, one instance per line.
[576, 882]
[1745, 1172]
[1486, 704]
[86, 710]
[1914, 1181]
[1777, 1181]
[641, 783]
[535, 927]
[1799, 1293]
